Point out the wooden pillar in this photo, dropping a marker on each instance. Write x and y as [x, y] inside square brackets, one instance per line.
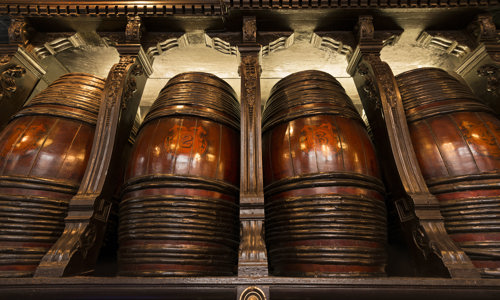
[19, 71]
[481, 68]
[252, 260]
[417, 208]
[252, 253]
[76, 251]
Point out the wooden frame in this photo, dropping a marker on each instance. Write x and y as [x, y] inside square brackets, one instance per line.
[76, 250]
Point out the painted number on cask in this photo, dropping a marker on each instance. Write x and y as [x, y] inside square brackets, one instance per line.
[183, 140]
[318, 135]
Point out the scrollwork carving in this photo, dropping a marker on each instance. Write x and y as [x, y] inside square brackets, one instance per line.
[492, 74]
[7, 80]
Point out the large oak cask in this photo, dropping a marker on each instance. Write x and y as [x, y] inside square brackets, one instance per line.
[457, 142]
[324, 203]
[179, 210]
[43, 155]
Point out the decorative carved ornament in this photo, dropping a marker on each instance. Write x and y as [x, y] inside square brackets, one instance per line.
[365, 28]
[7, 80]
[111, 8]
[252, 246]
[492, 74]
[484, 28]
[453, 45]
[318, 4]
[5, 59]
[250, 70]
[249, 29]
[17, 31]
[253, 293]
[369, 86]
[133, 31]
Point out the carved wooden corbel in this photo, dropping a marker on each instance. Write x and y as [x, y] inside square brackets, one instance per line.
[417, 208]
[481, 67]
[76, 251]
[19, 73]
[252, 253]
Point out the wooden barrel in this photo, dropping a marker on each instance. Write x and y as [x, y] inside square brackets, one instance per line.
[325, 211]
[457, 142]
[43, 155]
[179, 210]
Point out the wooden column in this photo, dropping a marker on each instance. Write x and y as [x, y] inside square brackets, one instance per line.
[252, 254]
[19, 71]
[417, 208]
[76, 251]
[481, 68]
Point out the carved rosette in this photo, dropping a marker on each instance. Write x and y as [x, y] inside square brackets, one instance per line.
[7, 80]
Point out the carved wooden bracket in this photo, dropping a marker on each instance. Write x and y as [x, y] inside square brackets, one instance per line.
[19, 73]
[481, 67]
[252, 253]
[271, 41]
[418, 209]
[75, 252]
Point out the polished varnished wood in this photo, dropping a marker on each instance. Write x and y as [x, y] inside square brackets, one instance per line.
[457, 143]
[43, 154]
[325, 212]
[179, 211]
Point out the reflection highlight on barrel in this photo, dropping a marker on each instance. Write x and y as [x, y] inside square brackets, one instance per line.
[325, 212]
[457, 142]
[179, 210]
[43, 155]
